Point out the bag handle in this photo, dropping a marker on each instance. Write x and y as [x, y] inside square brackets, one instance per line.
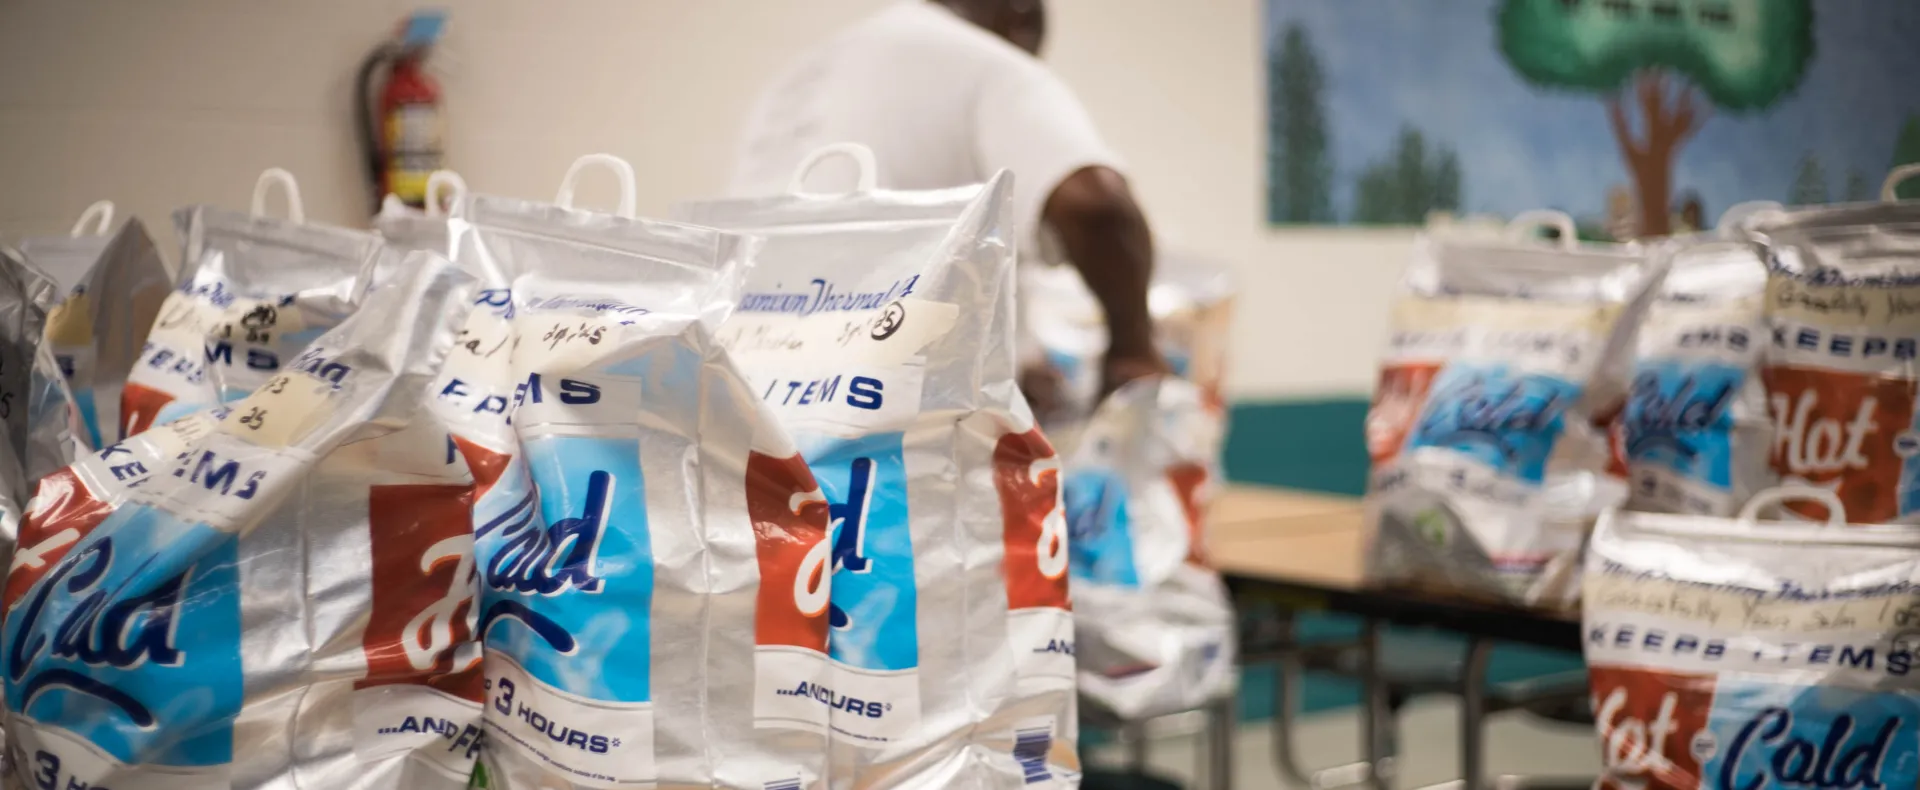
[1527, 221]
[1894, 178]
[1836, 510]
[274, 176]
[861, 155]
[456, 188]
[1741, 216]
[101, 212]
[621, 171]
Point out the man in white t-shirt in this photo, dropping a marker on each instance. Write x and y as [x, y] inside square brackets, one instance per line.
[946, 93]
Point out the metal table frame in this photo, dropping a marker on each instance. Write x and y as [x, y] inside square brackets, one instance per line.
[1483, 624]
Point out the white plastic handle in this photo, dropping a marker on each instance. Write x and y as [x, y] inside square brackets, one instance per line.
[1741, 216]
[1894, 178]
[271, 177]
[861, 155]
[1836, 510]
[456, 192]
[621, 170]
[101, 213]
[1524, 222]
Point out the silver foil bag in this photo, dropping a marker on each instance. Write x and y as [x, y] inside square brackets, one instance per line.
[1152, 622]
[1488, 467]
[43, 432]
[1733, 654]
[1695, 428]
[878, 326]
[277, 594]
[654, 551]
[1842, 367]
[110, 290]
[253, 292]
[406, 228]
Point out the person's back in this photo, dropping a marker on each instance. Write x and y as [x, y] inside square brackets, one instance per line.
[945, 94]
[935, 97]
[900, 82]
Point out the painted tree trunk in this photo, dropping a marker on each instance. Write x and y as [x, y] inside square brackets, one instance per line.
[1648, 154]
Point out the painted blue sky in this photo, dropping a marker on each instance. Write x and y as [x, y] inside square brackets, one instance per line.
[1437, 65]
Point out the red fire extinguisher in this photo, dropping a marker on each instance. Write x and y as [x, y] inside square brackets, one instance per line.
[405, 142]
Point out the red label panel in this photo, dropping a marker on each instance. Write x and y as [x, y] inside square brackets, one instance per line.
[424, 580]
[139, 407]
[1027, 476]
[789, 515]
[1396, 404]
[64, 513]
[1648, 721]
[1839, 430]
[1189, 481]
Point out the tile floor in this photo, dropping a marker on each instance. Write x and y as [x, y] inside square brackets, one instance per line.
[1519, 744]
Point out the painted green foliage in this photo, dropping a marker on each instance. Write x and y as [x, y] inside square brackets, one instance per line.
[1648, 58]
[1906, 151]
[1299, 166]
[1743, 54]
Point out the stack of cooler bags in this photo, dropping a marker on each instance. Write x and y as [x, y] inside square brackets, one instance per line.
[1708, 444]
[1154, 628]
[530, 496]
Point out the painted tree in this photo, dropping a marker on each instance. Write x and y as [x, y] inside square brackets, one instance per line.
[1858, 188]
[1906, 151]
[1809, 184]
[1404, 186]
[1653, 60]
[1299, 171]
[1446, 182]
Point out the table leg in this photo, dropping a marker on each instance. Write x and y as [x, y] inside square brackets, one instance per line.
[1222, 724]
[1134, 735]
[1376, 717]
[1473, 715]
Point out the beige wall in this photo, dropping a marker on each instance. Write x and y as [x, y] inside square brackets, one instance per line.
[159, 103]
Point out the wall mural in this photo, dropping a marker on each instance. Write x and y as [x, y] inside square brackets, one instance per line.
[1638, 117]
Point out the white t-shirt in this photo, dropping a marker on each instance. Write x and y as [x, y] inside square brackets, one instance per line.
[942, 103]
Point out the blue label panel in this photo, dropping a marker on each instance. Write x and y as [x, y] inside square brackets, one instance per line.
[1100, 528]
[1775, 735]
[89, 414]
[1504, 419]
[873, 612]
[1679, 415]
[567, 591]
[133, 641]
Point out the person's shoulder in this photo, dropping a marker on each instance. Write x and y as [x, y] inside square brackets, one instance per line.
[935, 32]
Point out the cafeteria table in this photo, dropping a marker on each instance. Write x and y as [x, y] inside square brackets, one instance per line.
[1305, 552]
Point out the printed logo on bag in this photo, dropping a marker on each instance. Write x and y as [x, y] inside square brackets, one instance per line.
[873, 610]
[142, 613]
[1848, 432]
[864, 481]
[547, 560]
[567, 578]
[1650, 723]
[790, 519]
[1397, 401]
[1679, 415]
[1100, 527]
[1508, 421]
[1790, 735]
[1027, 474]
[423, 578]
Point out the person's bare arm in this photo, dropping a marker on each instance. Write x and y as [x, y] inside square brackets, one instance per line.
[1106, 238]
